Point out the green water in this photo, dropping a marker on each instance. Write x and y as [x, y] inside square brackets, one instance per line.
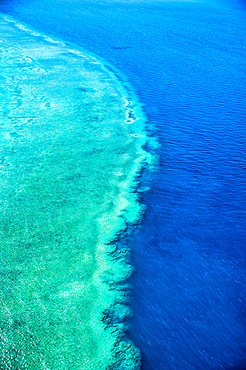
[69, 158]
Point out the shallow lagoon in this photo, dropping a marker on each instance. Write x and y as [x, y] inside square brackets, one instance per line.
[70, 154]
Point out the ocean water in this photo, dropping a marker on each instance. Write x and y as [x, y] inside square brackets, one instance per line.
[187, 63]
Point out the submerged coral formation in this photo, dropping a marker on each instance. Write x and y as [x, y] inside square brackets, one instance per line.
[71, 148]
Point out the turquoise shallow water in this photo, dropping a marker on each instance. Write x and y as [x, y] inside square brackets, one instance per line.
[71, 146]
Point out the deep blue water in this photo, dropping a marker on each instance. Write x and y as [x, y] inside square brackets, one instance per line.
[187, 61]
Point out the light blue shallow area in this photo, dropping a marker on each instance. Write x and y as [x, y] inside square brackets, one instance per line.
[187, 62]
[71, 148]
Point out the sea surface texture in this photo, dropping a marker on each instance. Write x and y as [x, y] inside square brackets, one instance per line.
[69, 155]
[187, 62]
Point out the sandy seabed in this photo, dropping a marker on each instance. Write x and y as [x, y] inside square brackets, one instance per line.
[69, 159]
